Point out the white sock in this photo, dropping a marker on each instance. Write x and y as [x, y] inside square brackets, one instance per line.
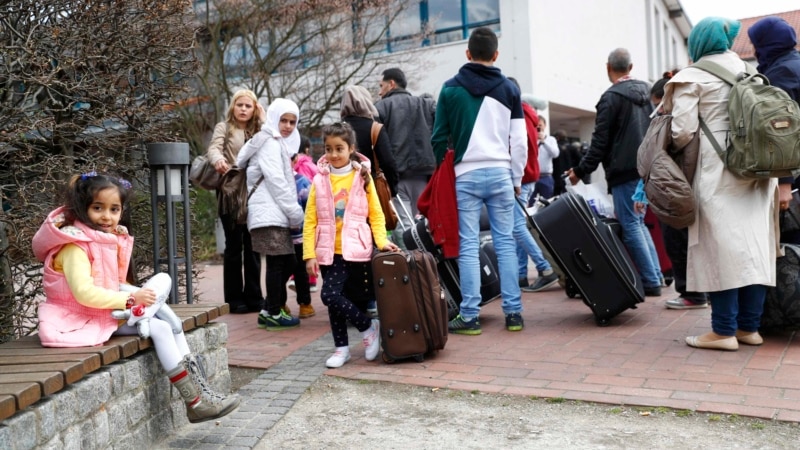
[265, 313]
[547, 273]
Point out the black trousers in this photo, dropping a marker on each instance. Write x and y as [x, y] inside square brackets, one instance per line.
[301, 284]
[676, 243]
[346, 289]
[239, 252]
[279, 269]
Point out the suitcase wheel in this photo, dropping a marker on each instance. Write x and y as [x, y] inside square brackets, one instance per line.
[419, 358]
[602, 322]
[386, 358]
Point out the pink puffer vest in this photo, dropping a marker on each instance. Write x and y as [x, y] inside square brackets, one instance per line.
[63, 322]
[356, 233]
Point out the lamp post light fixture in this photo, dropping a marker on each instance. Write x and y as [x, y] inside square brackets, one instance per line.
[169, 185]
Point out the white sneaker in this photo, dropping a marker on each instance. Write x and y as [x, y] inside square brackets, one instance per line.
[338, 359]
[372, 341]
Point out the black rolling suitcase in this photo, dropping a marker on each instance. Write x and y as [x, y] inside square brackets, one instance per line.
[410, 304]
[419, 237]
[591, 255]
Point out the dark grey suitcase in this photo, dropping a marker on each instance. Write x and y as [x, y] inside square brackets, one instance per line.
[591, 254]
[419, 237]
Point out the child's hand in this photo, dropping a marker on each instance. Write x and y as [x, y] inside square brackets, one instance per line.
[144, 297]
[312, 267]
[390, 247]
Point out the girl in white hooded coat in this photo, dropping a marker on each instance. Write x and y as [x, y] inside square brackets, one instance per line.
[272, 210]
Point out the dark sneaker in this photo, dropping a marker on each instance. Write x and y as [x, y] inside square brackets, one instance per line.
[685, 303]
[283, 322]
[654, 291]
[523, 282]
[542, 283]
[514, 322]
[461, 326]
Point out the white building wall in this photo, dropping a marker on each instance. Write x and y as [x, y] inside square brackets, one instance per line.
[557, 50]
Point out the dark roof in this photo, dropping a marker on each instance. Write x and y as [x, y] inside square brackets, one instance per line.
[742, 44]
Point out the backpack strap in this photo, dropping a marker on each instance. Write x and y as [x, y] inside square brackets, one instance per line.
[728, 77]
[373, 134]
[253, 189]
[712, 139]
[723, 73]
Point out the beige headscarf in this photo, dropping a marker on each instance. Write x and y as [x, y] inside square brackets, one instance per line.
[357, 101]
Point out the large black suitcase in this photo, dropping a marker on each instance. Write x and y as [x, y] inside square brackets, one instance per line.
[591, 254]
[419, 237]
[782, 304]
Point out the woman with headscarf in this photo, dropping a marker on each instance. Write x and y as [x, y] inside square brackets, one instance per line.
[732, 243]
[358, 111]
[272, 209]
[774, 41]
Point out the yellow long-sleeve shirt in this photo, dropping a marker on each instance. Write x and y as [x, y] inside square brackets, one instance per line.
[74, 263]
[340, 186]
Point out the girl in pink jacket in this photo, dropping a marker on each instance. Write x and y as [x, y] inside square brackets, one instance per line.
[338, 239]
[86, 253]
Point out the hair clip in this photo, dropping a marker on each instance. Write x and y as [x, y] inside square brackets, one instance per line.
[125, 183]
[88, 175]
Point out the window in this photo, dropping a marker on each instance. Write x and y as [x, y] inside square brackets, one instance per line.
[452, 20]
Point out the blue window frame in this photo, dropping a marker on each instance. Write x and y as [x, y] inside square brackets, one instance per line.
[453, 20]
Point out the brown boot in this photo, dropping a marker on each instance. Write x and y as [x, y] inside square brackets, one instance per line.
[201, 402]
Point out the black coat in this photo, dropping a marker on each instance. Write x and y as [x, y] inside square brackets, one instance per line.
[383, 148]
[623, 115]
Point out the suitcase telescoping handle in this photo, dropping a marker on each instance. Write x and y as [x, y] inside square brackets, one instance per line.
[403, 211]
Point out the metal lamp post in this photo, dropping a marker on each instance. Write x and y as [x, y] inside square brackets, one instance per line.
[169, 185]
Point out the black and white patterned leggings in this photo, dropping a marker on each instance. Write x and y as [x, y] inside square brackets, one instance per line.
[346, 289]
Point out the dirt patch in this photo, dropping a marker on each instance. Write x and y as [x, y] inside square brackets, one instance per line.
[336, 413]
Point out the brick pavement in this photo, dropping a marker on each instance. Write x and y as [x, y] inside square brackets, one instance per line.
[640, 359]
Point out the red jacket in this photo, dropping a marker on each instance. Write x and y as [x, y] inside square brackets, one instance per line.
[438, 203]
[531, 173]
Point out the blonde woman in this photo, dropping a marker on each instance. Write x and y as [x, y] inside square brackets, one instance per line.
[242, 121]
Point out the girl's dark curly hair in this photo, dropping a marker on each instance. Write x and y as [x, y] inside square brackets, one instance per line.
[82, 189]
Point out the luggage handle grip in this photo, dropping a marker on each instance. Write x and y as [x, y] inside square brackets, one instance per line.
[577, 254]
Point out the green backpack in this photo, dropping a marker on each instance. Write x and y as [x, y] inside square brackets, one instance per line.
[764, 140]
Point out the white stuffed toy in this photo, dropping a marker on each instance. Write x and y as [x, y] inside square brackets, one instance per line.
[140, 315]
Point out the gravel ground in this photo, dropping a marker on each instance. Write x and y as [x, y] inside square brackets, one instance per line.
[337, 413]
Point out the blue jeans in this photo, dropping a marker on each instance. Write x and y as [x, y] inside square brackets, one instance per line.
[491, 186]
[739, 308]
[635, 235]
[545, 186]
[526, 245]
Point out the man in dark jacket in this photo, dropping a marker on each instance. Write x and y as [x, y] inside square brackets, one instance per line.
[408, 121]
[623, 115]
[775, 42]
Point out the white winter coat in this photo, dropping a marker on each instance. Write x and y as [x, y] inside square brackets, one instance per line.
[733, 241]
[274, 202]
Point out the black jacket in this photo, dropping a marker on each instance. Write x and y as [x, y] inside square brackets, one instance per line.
[383, 148]
[623, 115]
[409, 122]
